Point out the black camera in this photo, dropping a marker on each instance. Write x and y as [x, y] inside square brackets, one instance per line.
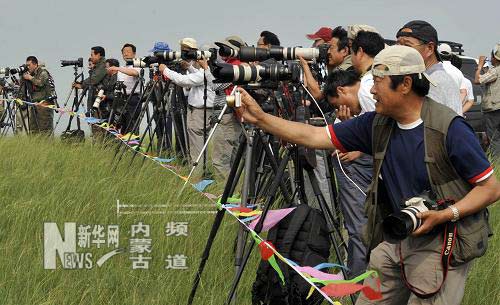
[400, 225]
[248, 54]
[247, 73]
[76, 63]
[21, 70]
[166, 57]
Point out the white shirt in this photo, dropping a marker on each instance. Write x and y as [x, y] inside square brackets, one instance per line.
[366, 101]
[446, 91]
[195, 81]
[456, 74]
[129, 81]
[470, 90]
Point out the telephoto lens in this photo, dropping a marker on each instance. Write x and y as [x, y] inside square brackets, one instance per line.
[226, 51]
[168, 55]
[195, 55]
[98, 99]
[76, 63]
[22, 69]
[400, 225]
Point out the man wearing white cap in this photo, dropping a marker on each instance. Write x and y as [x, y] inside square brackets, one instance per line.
[491, 98]
[446, 55]
[418, 145]
[195, 82]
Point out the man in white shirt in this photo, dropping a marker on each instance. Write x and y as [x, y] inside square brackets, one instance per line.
[446, 54]
[130, 78]
[423, 37]
[195, 81]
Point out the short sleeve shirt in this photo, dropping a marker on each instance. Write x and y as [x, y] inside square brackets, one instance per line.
[403, 171]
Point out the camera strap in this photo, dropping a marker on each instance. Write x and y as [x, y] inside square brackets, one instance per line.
[449, 237]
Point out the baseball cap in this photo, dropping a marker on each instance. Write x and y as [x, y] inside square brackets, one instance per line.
[160, 46]
[188, 42]
[324, 33]
[444, 49]
[421, 30]
[353, 30]
[399, 60]
[234, 42]
[496, 51]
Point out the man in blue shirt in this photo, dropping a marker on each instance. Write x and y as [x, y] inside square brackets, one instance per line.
[400, 87]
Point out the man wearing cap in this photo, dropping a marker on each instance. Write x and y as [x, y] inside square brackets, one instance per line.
[419, 145]
[423, 37]
[339, 57]
[194, 81]
[491, 98]
[226, 137]
[323, 35]
[446, 55]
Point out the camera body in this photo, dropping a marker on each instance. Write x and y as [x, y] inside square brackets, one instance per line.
[400, 225]
[77, 63]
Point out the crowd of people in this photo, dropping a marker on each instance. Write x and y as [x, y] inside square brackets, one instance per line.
[399, 131]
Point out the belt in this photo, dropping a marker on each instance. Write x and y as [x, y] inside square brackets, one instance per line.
[192, 107]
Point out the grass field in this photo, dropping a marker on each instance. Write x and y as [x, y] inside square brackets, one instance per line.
[46, 181]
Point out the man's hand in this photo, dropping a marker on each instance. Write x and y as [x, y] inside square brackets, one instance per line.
[113, 69]
[249, 111]
[430, 219]
[162, 67]
[203, 63]
[349, 156]
[77, 85]
[185, 64]
[481, 61]
[343, 113]
[27, 76]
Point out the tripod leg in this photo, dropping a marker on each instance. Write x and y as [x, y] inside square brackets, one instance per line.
[329, 217]
[258, 228]
[217, 221]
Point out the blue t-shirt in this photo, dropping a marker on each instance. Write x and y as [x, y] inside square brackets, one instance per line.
[403, 170]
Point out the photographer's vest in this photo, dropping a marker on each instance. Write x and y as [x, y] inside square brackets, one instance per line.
[473, 230]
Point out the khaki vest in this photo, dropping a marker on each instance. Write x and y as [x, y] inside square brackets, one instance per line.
[473, 230]
[491, 96]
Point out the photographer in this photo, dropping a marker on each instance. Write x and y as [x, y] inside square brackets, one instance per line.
[267, 39]
[491, 99]
[423, 37]
[108, 89]
[130, 78]
[194, 81]
[96, 75]
[323, 35]
[406, 129]
[225, 140]
[338, 58]
[36, 87]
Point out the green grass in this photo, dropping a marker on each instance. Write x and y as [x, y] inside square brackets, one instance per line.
[46, 181]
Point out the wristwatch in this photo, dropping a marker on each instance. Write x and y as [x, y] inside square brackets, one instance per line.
[456, 214]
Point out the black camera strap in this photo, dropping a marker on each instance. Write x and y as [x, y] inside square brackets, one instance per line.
[449, 237]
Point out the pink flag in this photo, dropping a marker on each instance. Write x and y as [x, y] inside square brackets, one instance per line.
[272, 218]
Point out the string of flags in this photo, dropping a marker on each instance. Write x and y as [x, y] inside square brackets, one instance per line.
[332, 285]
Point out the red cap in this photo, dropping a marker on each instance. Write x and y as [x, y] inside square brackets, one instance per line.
[323, 33]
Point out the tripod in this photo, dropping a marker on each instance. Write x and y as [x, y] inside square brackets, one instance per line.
[248, 195]
[76, 99]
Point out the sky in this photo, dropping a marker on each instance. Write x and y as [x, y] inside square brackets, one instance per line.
[66, 29]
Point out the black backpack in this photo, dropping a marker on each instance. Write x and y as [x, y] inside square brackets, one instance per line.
[302, 237]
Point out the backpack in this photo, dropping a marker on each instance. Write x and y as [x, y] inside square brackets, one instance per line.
[302, 237]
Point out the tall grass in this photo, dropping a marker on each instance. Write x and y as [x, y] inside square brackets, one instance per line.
[46, 181]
